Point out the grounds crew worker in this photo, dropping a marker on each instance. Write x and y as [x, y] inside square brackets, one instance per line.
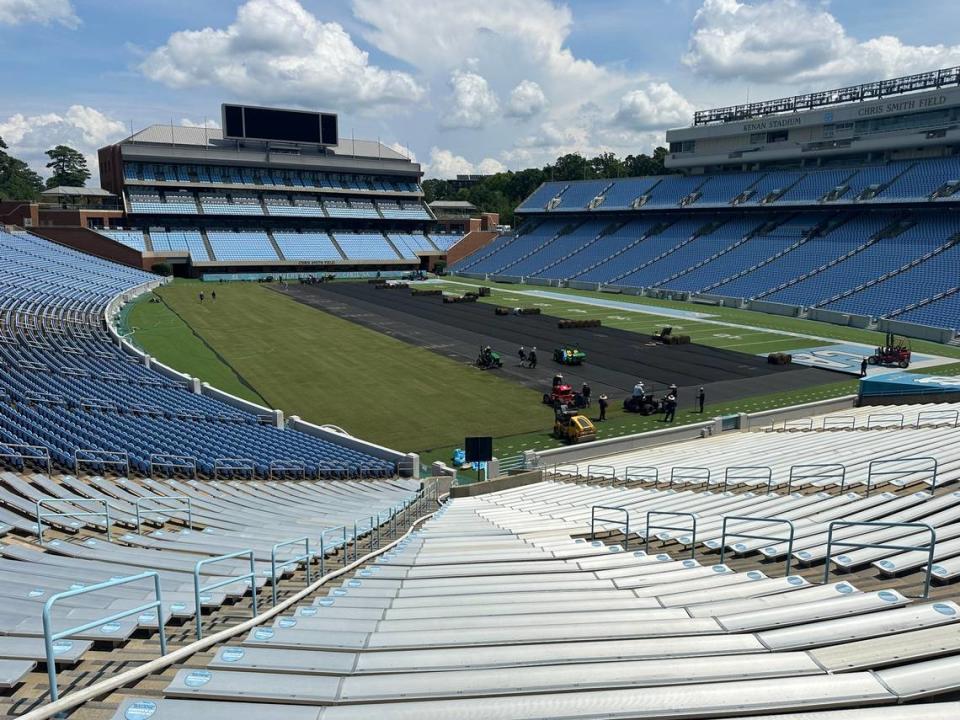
[602, 403]
[638, 389]
[585, 392]
[670, 406]
[532, 358]
[522, 354]
[701, 396]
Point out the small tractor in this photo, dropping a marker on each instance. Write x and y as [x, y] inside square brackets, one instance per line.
[646, 404]
[563, 395]
[488, 359]
[663, 335]
[569, 355]
[572, 427]
[895, 351]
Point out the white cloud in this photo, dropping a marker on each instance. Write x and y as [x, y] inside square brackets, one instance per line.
[796, 41]
[526, 100]
[520, 47]
[207, 123]
[277, 51]
[80, 127]
[472, 103]
[403, 150]
[16, 12]
[444, 164]
[657, 106]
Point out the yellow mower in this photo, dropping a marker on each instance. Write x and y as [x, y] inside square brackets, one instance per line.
[572, 427]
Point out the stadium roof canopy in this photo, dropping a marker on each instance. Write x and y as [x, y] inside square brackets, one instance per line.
[61, 190]
[213, 138]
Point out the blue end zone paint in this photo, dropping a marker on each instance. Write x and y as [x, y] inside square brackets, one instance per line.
[901, 383]
[847, 359]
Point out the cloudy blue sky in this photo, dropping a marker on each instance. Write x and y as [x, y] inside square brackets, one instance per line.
[462, 85]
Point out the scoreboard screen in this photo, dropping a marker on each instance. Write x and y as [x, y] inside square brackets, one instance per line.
[244, 122]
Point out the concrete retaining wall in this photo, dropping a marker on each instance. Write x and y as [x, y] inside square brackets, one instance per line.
[775, 308]
[580, 285]
[409, 463]
[506, 482]
[922, 332]
[602, 448]
[765, 418]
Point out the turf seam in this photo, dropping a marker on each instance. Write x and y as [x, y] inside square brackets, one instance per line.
[240, 378]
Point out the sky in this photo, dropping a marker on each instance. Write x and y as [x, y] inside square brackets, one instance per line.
[459, 85]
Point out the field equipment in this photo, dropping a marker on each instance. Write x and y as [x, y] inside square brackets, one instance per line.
[563, 395]
[569, 355]
[572, 427]
[488, 359]
[663, 334]
[645, 405]
[895, 351]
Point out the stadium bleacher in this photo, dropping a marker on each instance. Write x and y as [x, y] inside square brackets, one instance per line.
[365, 246]
[831, 238]
[72, 391]
[241, 245]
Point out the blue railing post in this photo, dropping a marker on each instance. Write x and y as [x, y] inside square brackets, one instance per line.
[165, 511]
[323, 545]
[701, 474]
[748, 472]
[922, 465]
[818, 471]
[692, 529]
[291, 561]
[641, 473]
[625, 522]
[77, 500]
[725, 535]
[929, 547]
[197, 589]
[50, 637]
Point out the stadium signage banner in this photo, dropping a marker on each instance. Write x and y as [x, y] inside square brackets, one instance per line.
[909, 383]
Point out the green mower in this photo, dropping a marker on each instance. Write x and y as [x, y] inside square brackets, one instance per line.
[569, 355]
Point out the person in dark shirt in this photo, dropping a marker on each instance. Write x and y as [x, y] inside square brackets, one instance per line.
[701, 396]
[602, 404]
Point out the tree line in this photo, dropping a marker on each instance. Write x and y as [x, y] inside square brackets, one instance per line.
[19, 182]
[503, 192]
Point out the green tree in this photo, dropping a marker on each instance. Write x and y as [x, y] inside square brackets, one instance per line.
[17, 180]
[608, 165]
[69, 167]
[572, 166]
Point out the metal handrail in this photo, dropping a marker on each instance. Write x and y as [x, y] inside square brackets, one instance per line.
[742, 472]
[197, 588]
[683, 475]
[323, 550]
[576, 468]
[692, 530]
[605, 471]
[47, 500]
[166, 511]
[625, 522]
[750, 536]
[43, 456]
[929, 547]
[931, 462]
[883, 418]
[161, 460]
[231, 465]
[839, 421]
[298, 467]
[307, 557]
[50, 637]
[644, 473]
[823, 476]
[935, 415]
[103, 460]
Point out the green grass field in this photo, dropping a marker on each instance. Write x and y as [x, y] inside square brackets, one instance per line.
[265, 347]
[270, 349]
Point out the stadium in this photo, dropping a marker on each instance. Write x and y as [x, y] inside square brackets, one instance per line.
[703, 465]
